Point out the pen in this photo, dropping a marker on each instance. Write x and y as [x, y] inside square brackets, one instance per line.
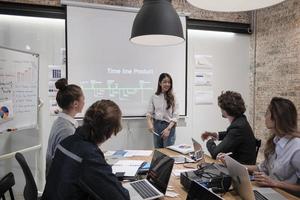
[155, 133]
[221, 155]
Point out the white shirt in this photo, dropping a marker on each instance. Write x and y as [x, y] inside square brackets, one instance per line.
[157, 109]
[69, 118]
[284, 164]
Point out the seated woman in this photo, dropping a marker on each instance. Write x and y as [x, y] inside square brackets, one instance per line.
[79, 170]
[238, 138]
[281, 167]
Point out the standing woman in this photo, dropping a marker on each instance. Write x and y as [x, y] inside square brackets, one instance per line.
[162, 114]
[70, 99]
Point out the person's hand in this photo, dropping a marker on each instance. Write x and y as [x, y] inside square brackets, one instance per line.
[207, 134]
[150, 128]
[220, 157]
[263, 180]
[165, 134]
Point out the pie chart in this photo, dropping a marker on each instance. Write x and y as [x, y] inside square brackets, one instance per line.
[4, 112]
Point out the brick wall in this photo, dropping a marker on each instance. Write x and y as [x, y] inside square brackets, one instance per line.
[277, 59]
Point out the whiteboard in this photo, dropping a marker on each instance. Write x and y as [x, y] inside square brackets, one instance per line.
[18, 89]
[103, 61]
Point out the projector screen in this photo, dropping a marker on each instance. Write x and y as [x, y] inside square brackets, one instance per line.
[106, 65]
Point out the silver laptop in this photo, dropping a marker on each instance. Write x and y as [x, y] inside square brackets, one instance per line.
[195, 156]
[242, 185]
[198, 151]
[156, 183]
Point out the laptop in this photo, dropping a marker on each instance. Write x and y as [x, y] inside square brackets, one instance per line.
[242, 185]
[195, 156]
[156, 183]
[198, 151]
[199, 192]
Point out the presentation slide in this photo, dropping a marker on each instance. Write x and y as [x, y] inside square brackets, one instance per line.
[103, 61]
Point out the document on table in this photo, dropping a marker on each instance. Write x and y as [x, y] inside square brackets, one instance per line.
[130, 167]
[131, 153]
[128, 153]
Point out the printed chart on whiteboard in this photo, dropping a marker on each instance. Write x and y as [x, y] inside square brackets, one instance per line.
[18, 89]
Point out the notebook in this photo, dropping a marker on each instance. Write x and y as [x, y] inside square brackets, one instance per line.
[156, 183]
[242, 184]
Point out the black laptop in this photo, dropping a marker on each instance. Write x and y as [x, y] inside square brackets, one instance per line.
[199, 192]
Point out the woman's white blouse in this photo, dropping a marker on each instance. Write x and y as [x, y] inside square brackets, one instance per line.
[157, 109]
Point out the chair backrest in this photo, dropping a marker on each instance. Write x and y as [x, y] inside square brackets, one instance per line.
[257, 144]
[6, 184]
[30, 190]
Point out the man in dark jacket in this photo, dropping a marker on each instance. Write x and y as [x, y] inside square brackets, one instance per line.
[79, 170]
[238, 138]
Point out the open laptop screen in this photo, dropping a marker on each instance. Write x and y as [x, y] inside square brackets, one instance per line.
[198, 152]
[242, 184]
[160, 171]
[197, 145]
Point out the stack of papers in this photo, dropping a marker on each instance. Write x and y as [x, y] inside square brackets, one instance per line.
[128, 153]
[182, 159]
[182, 148]
[129, 167]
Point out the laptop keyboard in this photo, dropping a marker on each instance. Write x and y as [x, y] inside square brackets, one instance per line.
[259, 196]
[144, 189]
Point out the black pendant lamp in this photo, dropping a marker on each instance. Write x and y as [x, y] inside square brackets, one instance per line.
[157, 24]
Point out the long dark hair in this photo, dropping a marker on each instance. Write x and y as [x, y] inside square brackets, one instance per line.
[103, 119]
[169, 96]
[284, 114]
[67, 94]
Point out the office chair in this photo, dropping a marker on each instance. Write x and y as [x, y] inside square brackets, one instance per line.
[6, 184]
[257, 146]
[30, 190]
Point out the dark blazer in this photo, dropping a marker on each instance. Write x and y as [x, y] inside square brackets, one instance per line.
[238, 139]
[79, 172]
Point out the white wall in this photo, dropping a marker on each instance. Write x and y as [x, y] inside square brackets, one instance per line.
[45, 37]
[230, 68]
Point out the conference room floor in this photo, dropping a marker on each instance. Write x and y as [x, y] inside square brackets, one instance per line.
[182, 193]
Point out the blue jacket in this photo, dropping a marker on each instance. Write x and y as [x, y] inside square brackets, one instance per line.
[79, 172]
